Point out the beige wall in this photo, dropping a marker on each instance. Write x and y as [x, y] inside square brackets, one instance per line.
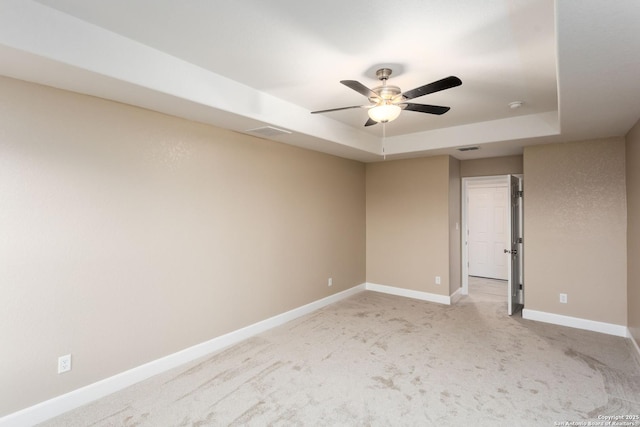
[128, 235]
[455, 261]
[633, 230]
[408, 223]
[575, 229]
[491, 166]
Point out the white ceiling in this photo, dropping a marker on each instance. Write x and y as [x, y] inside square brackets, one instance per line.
[245, 64]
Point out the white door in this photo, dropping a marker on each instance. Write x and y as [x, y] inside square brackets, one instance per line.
[488, 229]
[514, 249]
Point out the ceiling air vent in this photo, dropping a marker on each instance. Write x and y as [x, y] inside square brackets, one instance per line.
[468, 148]
[268, 131]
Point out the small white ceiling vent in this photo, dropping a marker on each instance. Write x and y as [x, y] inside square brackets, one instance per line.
[268, 131]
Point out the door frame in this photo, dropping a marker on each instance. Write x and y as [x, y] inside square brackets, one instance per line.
[515, 300]
[477, 181]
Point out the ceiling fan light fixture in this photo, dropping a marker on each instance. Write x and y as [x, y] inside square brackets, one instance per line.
[384, 113]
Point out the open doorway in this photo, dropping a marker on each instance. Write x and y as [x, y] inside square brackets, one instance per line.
[492, 237]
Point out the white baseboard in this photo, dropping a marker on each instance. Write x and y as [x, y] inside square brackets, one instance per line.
[576, 322]
[76, 398]
[425, 296]
[456, 295]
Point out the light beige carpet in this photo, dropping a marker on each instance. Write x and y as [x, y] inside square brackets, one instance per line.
[382, 360]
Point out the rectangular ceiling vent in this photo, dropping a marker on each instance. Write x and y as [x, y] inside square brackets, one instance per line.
[468, 148]
[268, 131]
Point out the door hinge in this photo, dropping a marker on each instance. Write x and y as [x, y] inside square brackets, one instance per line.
[519, 239]
[520, 193]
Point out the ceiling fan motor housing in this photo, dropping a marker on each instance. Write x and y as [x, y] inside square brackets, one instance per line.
[385, 93]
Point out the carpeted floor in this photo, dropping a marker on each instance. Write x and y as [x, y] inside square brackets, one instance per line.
[382, 360]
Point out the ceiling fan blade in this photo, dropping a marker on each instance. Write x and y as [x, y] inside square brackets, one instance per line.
[360, 88]
[370, 122]
[423, 108]
[446, 83]
[338, 109]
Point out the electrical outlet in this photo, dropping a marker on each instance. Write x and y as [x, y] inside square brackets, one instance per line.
[563, 298]
[438, 281]
[64, 363]
[330, 282]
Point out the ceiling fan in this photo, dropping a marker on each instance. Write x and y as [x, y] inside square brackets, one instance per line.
[386, 101]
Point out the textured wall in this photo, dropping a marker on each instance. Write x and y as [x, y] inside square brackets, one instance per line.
[408, 223]
[633, 230]
[575, 229]
[491, 166]
[127, 235]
